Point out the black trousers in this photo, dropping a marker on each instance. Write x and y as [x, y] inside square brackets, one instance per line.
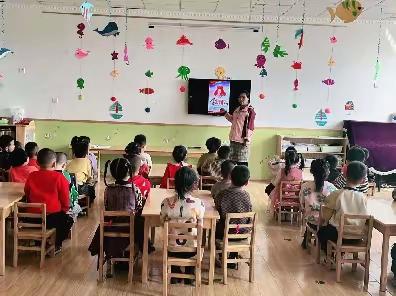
[62, 222]
[88, 190]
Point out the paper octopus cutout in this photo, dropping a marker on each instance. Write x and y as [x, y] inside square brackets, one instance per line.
[183, 72]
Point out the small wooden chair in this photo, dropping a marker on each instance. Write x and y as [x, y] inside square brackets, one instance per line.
[182, 262]
[207, 182]
[170, 183]
[371, 189]
[336, 251]
[289, 200]
[35, 229]
[238, 242]
[122, 227]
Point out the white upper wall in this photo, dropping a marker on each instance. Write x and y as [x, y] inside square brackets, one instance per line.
[45, 43]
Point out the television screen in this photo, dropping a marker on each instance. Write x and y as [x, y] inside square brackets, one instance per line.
[209, 96]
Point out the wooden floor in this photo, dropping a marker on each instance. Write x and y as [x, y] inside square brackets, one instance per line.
[282, 267]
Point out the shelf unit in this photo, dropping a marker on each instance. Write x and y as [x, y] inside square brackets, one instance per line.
[21, 133]
[314, 140]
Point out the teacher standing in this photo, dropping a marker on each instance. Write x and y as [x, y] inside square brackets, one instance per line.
[242, 120]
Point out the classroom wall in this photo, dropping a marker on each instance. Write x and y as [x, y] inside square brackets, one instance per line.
[57, 134]
[44, 45]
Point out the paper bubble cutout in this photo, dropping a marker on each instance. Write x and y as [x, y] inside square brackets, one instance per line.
[321, 118]
[261, 96]
[327, 110]
[294, 106]
[147, 109]
[182, 89]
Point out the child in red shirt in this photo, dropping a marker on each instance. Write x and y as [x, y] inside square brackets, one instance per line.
[179, 155]
[51, 188]
[19, 170]
[132, 150]
[32, 149]
[140, 182]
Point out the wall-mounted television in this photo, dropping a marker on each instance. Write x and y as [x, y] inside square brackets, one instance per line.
[209, 96]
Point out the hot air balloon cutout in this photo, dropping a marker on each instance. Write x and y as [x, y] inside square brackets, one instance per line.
[4, 51]
[115, 109]
[329, 80]
[321, 118]
[279, 52]
[80, 54]
[349, 107]
[377, 66]
[297, 64]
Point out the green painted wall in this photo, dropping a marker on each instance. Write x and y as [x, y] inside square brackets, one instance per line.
[57, 134]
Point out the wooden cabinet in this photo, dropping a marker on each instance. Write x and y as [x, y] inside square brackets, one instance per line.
[21, 133]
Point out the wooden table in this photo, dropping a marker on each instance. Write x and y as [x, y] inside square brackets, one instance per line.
[10, 193]
[384, 213]
[151, 213]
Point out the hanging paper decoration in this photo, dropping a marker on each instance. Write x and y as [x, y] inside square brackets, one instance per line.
[327, 110]
[111, 29]
[333, 39]
[80, 97]
[300, 34]
[81, 53]
[265, 45]
[377, 63]
[347, 11]
[80, 83]
[114, 73]
[146, 91]
[149, 43]
[294, 106]
[331, 62]
[221, 44]
[279, 52]
[149, 74]
[260, 61]
[126, 55]
[81, 28]
[183, 40]
[321, 118]
[183, 72]
[147, 109]
[115, 109]
[295, 83]
[114, 55]
[261, 96]
[297, 65]
[349, 107]
[182, 89]
[328, 81]
[87, 11]
[4, 52]
[220, 73]
[263, 73]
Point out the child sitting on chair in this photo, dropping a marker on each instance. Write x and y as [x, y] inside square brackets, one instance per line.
[226, 169]
[120, 196]
[133, 150]
[291, 172]
[335, 172]
[140, 182]
[212, 144]
[313, 194]
[51, 188]
[75, 209]
[20, 170]
[141, 141]
[81, 167]
[348, 200]
[92, 157]
[214, 168]
[183, 207]
[7, 145]
[179, 156]
[32, 149]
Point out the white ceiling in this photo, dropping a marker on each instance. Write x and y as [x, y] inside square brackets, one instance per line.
[288, 8]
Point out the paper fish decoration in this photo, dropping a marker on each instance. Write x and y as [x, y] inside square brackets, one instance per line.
[329, 81]
[263, 72]
[349, 106]
[80, 83]
[331, 62]
[333, 40]
[80, 31]
[87, 11]
[183, 40]
[347, 11]
[114, 73]
[149, 73]
[279, 52]
[297, 65]
[265, 45]
[114, 55]
[321, 118]
[4, 52]
[295, 83]
[116, 110]
[111, 29]
[126, 55]
[183, 72]
[220, 44]
[220, 73]
[146, 91]
[81, 53]
[149, 43]
[260, 61]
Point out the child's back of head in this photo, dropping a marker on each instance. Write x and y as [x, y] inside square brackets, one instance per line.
[179, 153]
[356, 173]
[132, 149]
[291, 158]
[140, 140]
[186, 180]
[120, 170]
[46, 158]
[224, 152]
[320, 170]
[355, 154]
[226, 169]
[213, 144]
[31, 149]
[332, 160]
[18, 158]
[240, 175]
[61, 160]
[80, 149]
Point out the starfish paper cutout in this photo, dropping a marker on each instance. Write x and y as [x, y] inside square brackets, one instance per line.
[114, 56]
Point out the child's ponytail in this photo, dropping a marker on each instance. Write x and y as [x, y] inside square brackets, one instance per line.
[291, 158]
